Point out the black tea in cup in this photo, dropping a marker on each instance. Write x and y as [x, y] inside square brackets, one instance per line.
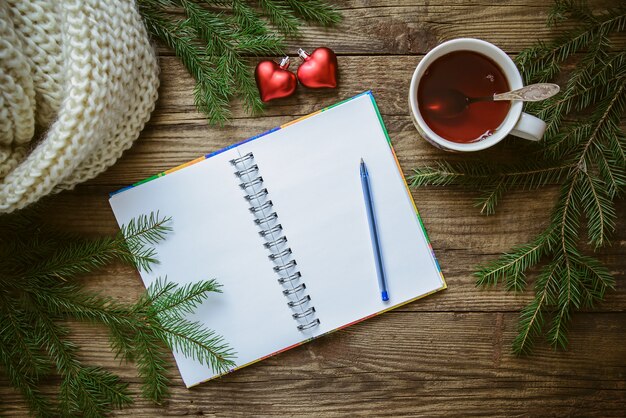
[444, 86]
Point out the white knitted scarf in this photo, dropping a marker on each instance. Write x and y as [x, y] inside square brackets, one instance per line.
[78, 80]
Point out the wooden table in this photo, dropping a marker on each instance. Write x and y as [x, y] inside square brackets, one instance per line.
[446, 354]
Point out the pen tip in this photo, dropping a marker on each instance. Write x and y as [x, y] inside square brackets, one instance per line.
[362, 160]
[385, 296]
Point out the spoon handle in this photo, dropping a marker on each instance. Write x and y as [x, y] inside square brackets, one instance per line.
[531, 93]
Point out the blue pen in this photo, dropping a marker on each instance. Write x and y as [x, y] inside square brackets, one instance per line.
[371, 217]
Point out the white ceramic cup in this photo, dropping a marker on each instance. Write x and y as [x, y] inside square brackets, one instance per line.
[515, 123]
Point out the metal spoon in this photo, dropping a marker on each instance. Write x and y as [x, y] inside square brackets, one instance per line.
[449, 103]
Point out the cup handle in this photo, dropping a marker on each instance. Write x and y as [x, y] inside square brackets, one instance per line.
[529, 127]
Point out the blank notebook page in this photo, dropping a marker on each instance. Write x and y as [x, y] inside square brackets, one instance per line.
[311, 170]
[214, 237]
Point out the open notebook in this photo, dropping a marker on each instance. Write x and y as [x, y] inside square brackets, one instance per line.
[280, 221]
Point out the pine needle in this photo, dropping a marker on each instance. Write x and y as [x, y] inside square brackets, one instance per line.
[316, 11]
[511, 267]
[214, 40]
[40, 293]
[584, 150]
[281, 15]
[177, 301]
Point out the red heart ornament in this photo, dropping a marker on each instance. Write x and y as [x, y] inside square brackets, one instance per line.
[319, 69]
[274, 80]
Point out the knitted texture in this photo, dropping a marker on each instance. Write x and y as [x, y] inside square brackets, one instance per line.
[78, 81]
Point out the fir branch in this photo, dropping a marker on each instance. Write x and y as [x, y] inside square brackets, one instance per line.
[491, 197]
[146, 229]
[152, 366]
[211, 95]
[598, 208]
[138, 237]
[122, 342]
[596, 279]
[168, 306]
[560, 144]
[248, 20]
[258, 45]
[85, 256]
[511, 267]
[35, 305]
[492, 180]
[26, 384]
[69, 256]
[564, 9]
[584, 150]
[70, 301]
[607, 119]
[92, 392]
[542, 63]
[20, 359]
[611, 168]
[527, 175]
[213, 39]
[220, 39]
[281, 16]
[532, 315]
[316, 11]
[177, 301]
[557, 334]
[101, 389]
[590, 82]
[195, 341]
[53, 339]
[160, 288]
[13, 334]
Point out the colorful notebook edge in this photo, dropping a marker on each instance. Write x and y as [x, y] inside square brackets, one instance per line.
[206, 156]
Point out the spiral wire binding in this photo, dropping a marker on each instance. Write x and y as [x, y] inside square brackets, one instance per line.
[276, 242]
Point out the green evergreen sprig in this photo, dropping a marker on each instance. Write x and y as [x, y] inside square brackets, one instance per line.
[40, 293]
[583, 150]
[215, 38]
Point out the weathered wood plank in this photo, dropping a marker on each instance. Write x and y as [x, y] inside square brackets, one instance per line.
[408, 27]
[166, 146]
[389, 77]
[460, 237]
[447, 354]
[177, 133]
[405, 363]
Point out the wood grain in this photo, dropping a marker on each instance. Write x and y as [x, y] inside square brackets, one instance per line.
[448, 354]
[177, 133]
[460, 237]
[407, 363]
[382, 27]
